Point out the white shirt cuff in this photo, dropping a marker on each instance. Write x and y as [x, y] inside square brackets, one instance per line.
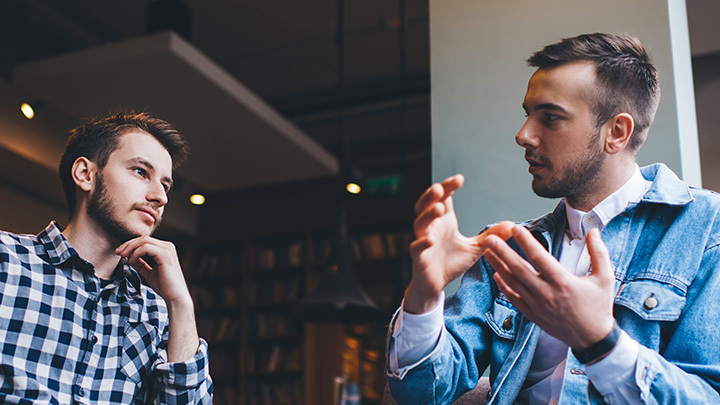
[614, 375]
[416, 335]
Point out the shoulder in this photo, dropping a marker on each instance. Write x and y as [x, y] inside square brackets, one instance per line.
[13, 245]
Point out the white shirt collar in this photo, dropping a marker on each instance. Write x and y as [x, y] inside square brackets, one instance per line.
[579, 222]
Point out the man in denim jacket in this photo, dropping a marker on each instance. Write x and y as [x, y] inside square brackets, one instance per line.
[558, 315]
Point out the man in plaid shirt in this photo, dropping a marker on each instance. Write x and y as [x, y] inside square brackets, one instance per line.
[76, 324]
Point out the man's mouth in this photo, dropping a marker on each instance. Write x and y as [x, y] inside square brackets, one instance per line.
[149, 214]
[537, 163]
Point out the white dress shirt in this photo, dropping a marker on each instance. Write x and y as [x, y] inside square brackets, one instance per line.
[416, 335]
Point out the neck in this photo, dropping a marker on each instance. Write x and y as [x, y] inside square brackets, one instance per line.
[93, 244]
[614, 174]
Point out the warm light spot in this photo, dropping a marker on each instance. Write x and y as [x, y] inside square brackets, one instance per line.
[27, 111]
[197, 199]
[353, 188]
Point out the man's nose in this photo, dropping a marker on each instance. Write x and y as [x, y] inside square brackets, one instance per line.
[526, 136]
[158, 194]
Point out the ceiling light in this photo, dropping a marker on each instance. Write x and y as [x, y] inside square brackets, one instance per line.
[27, 111]
[353, 188]
[197, 199]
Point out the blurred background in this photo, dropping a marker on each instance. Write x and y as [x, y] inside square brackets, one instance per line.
[284, 103]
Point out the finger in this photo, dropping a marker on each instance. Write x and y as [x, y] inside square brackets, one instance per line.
[536, 254]
[423, 221]
[432, 195]
[439, 191]
[419, 245]
[509, 280]
[600, 263]
[126, 248]
[512, 296]
[503, 230]
[136, 259]
[450, 186]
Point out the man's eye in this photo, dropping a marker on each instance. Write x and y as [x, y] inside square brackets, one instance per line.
[140, 171]
[551, 117]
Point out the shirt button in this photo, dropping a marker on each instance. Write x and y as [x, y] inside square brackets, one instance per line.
[94, 339]
[651, 302]
[80, 392]
[575, 371]
[507, 323]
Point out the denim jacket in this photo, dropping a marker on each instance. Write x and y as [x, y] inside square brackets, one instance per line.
[665, 246]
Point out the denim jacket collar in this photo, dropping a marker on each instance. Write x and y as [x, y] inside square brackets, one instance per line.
[667, 188]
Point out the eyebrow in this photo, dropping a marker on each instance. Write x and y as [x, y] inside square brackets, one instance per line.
[138, 160]
[547, 106]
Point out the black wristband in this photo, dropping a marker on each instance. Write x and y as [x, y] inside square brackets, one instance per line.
[600, 348]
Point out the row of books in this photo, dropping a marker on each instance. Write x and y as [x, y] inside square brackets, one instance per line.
[223, 362]
[217, 263]
[225, 394]
[370, 246]
[275, 393]
[214, 330]
[269, 291]
[277, 256]
[272, 325]
[217, 297]
[278, 358]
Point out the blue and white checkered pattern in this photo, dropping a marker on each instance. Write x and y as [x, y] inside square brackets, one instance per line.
[66, 339]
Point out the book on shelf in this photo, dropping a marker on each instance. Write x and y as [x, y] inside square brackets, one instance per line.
[276, 358]
[218, 263]
[277, 255]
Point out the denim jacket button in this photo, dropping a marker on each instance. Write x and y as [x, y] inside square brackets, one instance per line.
[507, 323]
[650, 303]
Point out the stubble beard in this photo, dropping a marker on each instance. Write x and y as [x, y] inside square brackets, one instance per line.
[102, 210]
[577, 179]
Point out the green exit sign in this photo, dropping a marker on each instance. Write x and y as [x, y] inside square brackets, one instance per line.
[383, 186]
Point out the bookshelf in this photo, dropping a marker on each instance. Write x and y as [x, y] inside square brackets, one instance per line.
[216, 280]
[274, 350]
[382, 264]
[261, 352]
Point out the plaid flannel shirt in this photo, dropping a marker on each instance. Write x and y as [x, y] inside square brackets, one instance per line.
[64, 338]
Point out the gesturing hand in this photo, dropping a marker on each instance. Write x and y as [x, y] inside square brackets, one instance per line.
[158, 263]
[440, 253]
[576, 310]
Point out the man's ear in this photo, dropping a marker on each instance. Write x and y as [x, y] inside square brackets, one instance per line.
[618, 130]
[83, 173]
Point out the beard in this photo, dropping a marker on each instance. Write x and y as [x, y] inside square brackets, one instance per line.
[578, 177]
[104, 212]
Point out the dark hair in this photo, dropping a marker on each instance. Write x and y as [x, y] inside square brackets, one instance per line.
[98, 138]
[627, 81]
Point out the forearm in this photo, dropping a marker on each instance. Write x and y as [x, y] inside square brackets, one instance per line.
[451, 367]
[183, 337]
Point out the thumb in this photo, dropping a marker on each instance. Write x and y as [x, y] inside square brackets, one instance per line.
[600, 263]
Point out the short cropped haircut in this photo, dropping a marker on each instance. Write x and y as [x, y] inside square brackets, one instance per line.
[98, 138]
[627, 81]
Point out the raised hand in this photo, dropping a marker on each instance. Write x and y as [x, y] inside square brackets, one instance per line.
[576, 310]
[440, 253]
[158, 263]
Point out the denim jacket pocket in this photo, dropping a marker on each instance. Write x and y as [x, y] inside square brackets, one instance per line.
[503, 318]
[651, 299]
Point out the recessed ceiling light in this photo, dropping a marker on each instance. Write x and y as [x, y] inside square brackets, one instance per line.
[353, 188]
[27, 111]
[197, 199]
